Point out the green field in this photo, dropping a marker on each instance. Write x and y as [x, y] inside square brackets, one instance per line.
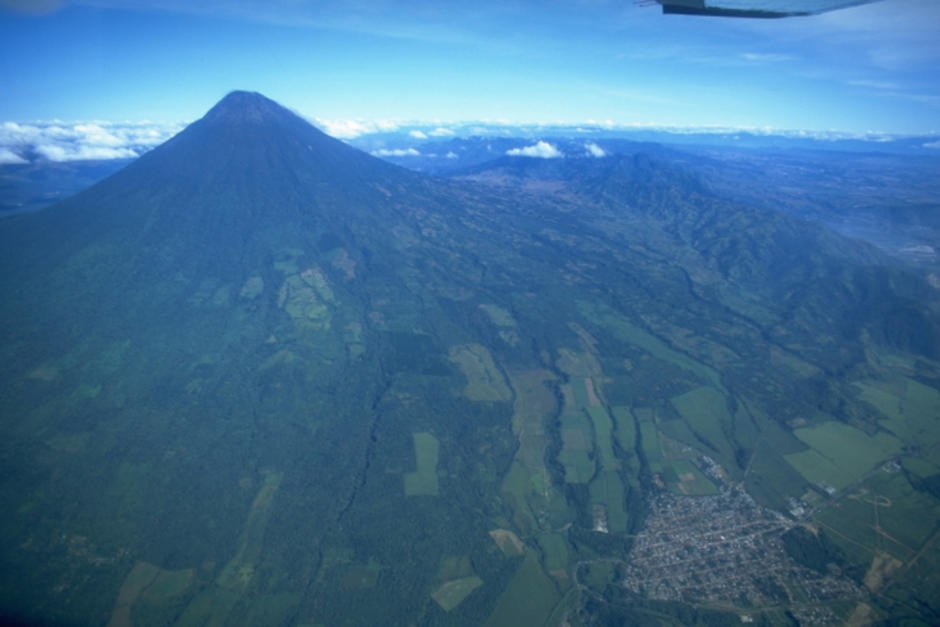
[452, 593]
[650, 441]
[577, 443]
[603, 427]
[705, 411]
[485, 382]
[527, 484]
[905, 515]
[625, 428]
[555, 553]
[423, 480]
[691, 481]
[920, 467]
[213, 605]
[770, 477]
[840, 454]
[528, 599]
[632, 334]
[912, 409]
[508, 542]
[607, 487]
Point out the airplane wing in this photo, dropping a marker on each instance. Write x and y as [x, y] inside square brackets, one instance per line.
[754, 8]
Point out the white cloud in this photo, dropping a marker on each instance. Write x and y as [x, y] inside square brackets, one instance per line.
[935, 144]
[7, 156]
[451, 155]
[57, 152]
[61, 141]
[594, 150]
[344, 129]
[350, 129]
[417, 134]
[396, 152]
[440, 131]
[541, 150]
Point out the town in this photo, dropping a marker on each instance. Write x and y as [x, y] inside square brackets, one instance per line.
[724, 552]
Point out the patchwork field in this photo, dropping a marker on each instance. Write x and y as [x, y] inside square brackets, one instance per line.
[528, 484]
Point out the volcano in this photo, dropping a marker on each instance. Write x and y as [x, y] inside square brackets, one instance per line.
[258, 376]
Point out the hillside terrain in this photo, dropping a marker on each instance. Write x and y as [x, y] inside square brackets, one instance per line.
[259, 376]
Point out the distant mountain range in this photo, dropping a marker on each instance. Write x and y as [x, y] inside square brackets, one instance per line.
[259, 376]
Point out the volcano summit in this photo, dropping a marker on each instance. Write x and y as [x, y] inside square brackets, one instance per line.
[260, 377]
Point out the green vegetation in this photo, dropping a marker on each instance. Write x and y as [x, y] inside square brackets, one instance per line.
[651, 450]
[577, 452]
[484, 380]
[911, 409]
[705, 412]
[261, 378]
[690, 479]
[213, 605]
[625, 428]
[508, 542]
[840, 454]
[632, 334]
[813, 550]
[528, 599]
[555, 554]
[452, 593]
[528, 484]
[423, 480]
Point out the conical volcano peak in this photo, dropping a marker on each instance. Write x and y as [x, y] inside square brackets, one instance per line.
[247, 106]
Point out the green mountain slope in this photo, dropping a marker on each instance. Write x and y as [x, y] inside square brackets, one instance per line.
[258, 376]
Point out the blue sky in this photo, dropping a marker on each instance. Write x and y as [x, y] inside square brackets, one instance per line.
[874, 67]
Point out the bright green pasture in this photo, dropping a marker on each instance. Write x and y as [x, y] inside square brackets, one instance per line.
[840, 454]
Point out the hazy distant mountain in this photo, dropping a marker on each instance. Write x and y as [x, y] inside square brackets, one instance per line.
[258, 376]
[32, 186]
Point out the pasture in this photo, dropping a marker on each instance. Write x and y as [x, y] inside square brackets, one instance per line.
[840, 454]
[423, 480]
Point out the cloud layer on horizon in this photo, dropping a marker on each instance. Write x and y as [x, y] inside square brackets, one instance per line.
[79, 141]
